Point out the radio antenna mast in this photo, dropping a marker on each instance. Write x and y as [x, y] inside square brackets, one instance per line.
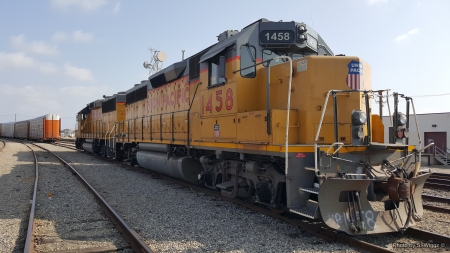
[156, 61]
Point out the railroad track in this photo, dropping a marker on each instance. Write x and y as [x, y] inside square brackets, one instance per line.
[312, 227]
[130, 236]
[69, 140]
[322, 232]
[437, 208]
[63, 144]
[2, 144]
[438, 181]
[441, 241]
[307, 225]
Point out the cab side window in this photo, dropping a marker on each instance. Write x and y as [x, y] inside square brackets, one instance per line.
[217, 69]
[248, 59]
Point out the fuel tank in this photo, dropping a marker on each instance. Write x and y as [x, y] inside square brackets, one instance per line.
[88, 146]
[182, 167]
[154, 147]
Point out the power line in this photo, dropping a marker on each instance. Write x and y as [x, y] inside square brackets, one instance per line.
[431, 95]
[15, 114]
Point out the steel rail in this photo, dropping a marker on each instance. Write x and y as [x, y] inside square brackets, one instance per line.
[439, 178]
[327, 234]
[135, 241]
[437, 186]
[308, 226]
[435, 198]
[4, 144]
[66, 140]
[440, 209]
[439, 181]
[65, 146]
[440, 175]
[426, 235]
[29, 246]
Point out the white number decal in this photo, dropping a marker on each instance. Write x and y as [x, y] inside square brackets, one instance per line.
[278, 36]
[274, 36]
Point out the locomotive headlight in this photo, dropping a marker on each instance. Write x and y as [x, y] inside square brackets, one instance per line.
[401, 119]
[301, 30]
[301, 37]
[358, 117]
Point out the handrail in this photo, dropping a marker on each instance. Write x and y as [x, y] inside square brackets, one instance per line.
[389, 107]
[160, 119]
[288, 110]
[318, 132]
[417, 128]
[84, 125]
[439, 151]
[110, 132]
[316, 139]
[336, 144]
[106, 130]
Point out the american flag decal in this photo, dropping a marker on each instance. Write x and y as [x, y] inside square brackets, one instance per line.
[355, 75]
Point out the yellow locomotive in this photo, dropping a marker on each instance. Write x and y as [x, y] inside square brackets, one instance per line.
[270, 114]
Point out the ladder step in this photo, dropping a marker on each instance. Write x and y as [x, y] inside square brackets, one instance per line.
[312, 205]
[226, 185]
[313, 190]
[304, 212]
[310, 168]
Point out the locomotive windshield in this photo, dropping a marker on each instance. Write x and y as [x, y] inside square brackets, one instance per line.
[268, 54]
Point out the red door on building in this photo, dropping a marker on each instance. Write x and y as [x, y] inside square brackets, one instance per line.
[439, 139]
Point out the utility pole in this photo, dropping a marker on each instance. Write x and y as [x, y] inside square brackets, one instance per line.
[380, 96]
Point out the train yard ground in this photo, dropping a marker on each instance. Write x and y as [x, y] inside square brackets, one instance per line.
[169, 217]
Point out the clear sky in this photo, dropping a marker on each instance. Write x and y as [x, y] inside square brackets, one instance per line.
[58, 55]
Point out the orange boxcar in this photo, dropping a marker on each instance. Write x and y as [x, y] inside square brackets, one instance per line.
[45, 128]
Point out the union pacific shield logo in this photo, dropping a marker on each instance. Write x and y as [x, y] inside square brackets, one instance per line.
[355, 75]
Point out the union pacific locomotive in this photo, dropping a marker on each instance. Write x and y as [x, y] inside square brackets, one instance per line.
[270, 114]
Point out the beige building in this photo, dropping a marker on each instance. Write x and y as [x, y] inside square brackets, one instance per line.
[433, 127]
[67, 133]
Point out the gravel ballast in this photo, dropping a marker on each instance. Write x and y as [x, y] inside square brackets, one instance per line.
[177, 219]
[67, 215]
[172, 218]
[17, 176]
